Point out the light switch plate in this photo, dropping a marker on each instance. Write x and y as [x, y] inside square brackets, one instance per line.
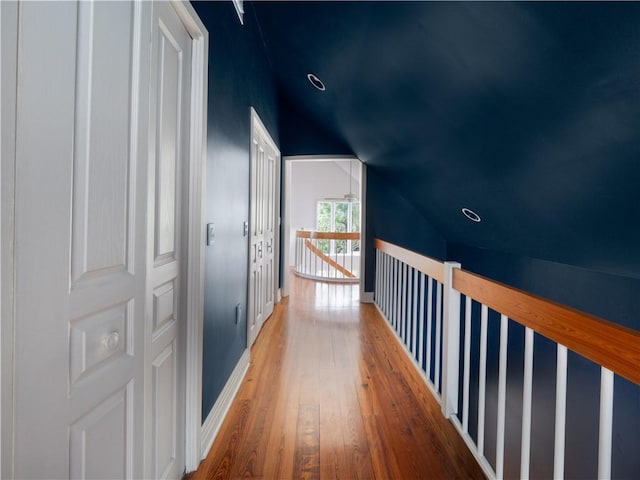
[211, 233]
[238, 313]
[246, 228]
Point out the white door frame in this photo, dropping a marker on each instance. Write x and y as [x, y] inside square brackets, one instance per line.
[196, 229]
[8, 68]
[286, 213]
[256, 121]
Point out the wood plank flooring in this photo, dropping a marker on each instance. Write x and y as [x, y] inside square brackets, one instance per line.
[331, 395]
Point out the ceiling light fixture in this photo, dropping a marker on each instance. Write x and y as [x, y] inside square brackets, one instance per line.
[316, 82]
[350, 197]
[471, 215]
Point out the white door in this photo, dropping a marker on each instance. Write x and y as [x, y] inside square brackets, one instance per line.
[101, 155]
[166, 242]
[80, 271]
[265, 161]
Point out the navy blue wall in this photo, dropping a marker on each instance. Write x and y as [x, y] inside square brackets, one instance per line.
[611, 297]
[301, 134]
[240, 76]
[391, 217]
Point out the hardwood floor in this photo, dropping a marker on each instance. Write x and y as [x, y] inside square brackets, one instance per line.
[331, 395]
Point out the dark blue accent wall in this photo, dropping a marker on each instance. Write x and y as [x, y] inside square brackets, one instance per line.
[608, 296]
[302, 134]
[240, 77]
[390, 217]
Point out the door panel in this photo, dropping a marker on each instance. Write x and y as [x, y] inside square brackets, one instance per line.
[103, 167]
[164, 412]
[91, 456]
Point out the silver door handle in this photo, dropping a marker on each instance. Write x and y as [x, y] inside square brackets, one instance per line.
[269, 247]
[260, 250]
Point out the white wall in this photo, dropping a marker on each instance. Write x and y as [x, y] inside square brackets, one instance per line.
[312, 181]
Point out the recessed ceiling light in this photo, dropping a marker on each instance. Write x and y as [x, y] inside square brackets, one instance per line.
[316, 82]
[471, 215]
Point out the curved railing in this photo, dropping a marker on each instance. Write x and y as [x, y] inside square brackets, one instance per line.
[328, 256]
[433, 308]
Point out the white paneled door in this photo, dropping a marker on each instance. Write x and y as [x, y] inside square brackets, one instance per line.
[265, 177]
[101, 159]
[166, 239]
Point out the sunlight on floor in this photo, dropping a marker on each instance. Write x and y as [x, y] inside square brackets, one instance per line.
[336, 295]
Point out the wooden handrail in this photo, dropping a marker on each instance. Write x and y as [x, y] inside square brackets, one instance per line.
[610, 345]
[607, 344]
[327, 259]
[328, 235]
[424, 264]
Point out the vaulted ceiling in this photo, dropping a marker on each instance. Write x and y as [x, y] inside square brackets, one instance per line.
[527, 113]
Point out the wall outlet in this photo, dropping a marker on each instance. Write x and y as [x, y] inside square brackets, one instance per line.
[246, 228]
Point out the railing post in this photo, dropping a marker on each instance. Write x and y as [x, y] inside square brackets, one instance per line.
[450, 342]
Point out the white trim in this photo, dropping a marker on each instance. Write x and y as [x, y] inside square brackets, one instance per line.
[366, 297]
[195, 234]
[8, 81]
[318, 158]
[286, 222]
[212, 424]
[363, 230]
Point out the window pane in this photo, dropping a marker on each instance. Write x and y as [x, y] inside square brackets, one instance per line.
[323, 246]
[355, 217]
[323, 217]
[342, 217]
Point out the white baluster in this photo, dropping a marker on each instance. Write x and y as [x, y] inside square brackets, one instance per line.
[467, 364]
[438, 334]
[429, 325]
[414, 322]
[561, 410]
[482, 378]
[502, 397]
[606, 424]
[403, 314]
[421, 321]
[527, 389]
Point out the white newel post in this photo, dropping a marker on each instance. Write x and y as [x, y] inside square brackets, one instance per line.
[450, 342]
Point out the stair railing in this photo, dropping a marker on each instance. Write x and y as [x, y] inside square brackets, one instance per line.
[422, 300]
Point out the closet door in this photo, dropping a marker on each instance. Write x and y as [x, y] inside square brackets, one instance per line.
[166, 245]
[80, 240]
[265, 159]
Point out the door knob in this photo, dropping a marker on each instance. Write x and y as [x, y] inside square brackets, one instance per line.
[111, 341]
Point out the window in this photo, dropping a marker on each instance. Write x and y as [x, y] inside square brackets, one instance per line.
[338, 216]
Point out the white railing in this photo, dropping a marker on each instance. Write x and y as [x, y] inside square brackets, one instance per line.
[328, 256]
[422, 299]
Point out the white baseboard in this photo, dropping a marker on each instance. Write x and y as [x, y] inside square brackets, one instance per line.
[366, 297]
[214, 420]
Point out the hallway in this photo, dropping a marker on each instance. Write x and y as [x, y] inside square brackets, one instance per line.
[331, 394]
